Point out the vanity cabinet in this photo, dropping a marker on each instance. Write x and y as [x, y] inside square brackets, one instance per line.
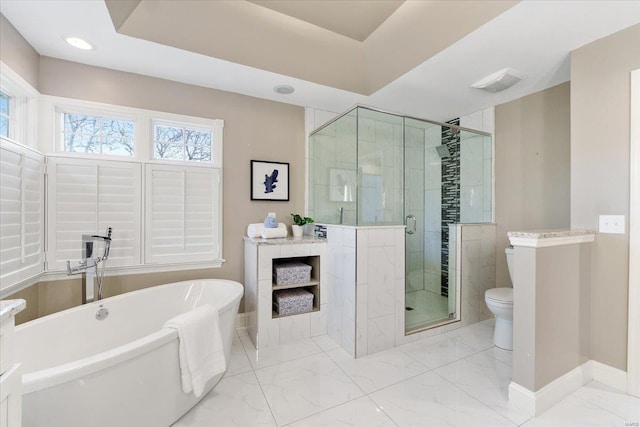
[265, 327]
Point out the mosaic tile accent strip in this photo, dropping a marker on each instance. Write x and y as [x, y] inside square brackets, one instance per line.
[450, 196]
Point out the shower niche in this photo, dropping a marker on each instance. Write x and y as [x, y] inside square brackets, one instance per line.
[400, 183]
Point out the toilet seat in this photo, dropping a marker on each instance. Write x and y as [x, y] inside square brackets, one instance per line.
[500, 295]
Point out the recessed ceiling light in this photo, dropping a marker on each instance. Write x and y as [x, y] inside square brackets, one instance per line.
[284, 89]
[78, 43]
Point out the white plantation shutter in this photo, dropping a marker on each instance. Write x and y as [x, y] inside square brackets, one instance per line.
[182, 214]
[86, 197]
[21, 213]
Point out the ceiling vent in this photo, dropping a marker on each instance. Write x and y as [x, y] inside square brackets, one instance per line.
[500, 80]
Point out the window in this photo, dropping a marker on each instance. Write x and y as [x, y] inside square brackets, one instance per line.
[162, 196]
[88, 134]
[174, 141]
[5, 114]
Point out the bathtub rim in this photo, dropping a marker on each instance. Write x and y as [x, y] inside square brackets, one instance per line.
[60, 374]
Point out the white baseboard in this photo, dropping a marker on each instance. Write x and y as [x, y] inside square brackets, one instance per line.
[535, 403]
[610, 376]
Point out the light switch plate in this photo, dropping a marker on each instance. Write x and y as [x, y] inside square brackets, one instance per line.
[611, 224]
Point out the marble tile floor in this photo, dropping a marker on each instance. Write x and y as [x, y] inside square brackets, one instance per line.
[453, 379]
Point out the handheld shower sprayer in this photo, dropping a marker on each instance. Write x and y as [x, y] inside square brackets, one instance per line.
[107, 243]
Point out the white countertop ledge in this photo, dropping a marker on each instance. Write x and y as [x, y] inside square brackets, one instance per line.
[11, 307]
[546, 238]
[285, 240]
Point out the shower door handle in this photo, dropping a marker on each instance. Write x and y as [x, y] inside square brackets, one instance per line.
[414, 223]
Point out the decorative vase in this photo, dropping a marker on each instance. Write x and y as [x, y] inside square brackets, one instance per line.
[296, 230]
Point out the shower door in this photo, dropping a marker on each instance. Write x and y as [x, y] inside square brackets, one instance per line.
[427, 293]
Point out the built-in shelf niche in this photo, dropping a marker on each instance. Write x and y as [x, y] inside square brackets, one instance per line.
[313, 285]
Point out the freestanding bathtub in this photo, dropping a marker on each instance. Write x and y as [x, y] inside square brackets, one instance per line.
[122, 370]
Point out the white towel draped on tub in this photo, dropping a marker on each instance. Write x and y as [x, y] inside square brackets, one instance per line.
[201, 350]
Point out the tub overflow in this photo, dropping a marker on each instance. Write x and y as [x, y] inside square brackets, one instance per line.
[102, 313]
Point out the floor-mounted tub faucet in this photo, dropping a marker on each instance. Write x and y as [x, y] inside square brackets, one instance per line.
[89, 265]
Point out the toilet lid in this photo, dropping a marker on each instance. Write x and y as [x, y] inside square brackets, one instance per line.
[503, 295]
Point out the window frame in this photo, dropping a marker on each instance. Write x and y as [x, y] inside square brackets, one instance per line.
[61, 110]
[9, 115]
[23, 112]
[155, 121]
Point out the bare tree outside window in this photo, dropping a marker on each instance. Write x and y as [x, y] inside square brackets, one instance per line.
[98, 135]
[183, 144]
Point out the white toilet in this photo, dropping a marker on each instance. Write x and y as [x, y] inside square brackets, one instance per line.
[500, 302]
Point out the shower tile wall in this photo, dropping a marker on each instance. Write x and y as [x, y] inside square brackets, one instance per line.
[450, 196]
[380, 159]
[433, 210]
[415, 205]
[332, 164]
[476, 158]
[341, 269]
[473, 263]
[313, 119]
[380, 288]
[365, 292]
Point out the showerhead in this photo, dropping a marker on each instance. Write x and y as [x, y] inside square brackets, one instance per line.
[443, 151]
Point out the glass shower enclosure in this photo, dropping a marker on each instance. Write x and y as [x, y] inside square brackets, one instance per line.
[372, 168]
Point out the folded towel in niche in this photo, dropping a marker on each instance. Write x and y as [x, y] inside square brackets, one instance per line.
[201, 351]
[274, 233]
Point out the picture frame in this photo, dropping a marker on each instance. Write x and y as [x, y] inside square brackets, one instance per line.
[269, 181]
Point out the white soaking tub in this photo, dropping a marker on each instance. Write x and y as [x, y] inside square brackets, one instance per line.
[122, 370]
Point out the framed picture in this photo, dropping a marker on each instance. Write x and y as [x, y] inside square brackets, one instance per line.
[269, 181]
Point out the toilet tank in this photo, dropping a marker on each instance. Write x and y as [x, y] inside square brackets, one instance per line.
[509, 252]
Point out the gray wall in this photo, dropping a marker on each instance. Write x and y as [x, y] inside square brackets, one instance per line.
[17, 53]
[532, 156]
[600, 100]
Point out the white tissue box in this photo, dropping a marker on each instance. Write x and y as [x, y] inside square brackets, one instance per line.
[292, 301]
[290, 273]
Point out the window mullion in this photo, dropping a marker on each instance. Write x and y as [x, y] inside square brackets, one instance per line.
[97, 196]
[184, 209]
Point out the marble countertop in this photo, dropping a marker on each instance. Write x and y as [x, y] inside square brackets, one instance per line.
[11, 307]
[285, 241]
[549, 234]
[545, 238]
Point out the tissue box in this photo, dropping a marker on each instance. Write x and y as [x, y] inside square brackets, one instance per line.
[290, 273]
[292, 301]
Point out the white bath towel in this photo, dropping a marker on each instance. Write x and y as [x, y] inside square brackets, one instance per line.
[201, 351]
[274, 233]
[255, 230]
